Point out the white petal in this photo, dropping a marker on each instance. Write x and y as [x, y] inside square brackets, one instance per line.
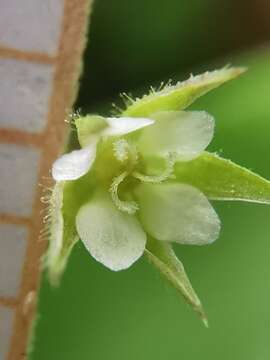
[185, 133]
[125, 125]
[178, 213]
[112, 237]
[75, 164]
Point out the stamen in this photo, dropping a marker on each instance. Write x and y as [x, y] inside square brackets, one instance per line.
[124, 151]
[126, 206]
[120, 149]
[156, 179]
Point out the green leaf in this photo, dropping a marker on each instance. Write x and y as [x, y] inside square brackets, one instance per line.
[221, 179]
[182, 94]
[162, 256]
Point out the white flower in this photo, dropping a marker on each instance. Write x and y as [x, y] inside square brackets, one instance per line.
[118, 152]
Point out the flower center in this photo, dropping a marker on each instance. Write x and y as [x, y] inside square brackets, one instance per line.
[127, 155]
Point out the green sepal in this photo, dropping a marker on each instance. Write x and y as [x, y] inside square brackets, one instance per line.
[66, 200]
[162, 256]
[221, 179]
[88, 127]
[182, 94]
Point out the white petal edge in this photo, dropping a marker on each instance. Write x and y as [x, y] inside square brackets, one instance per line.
[177, 213]
[113, 238]
[125, 125]
[186, 133]
[74, 165]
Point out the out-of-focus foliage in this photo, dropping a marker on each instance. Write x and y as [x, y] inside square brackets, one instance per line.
[135, 43]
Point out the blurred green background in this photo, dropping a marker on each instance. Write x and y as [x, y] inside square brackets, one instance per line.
[98, 314]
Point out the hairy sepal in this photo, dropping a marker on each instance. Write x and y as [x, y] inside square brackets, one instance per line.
[182, 94]
[221, 179]
[162, 256]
